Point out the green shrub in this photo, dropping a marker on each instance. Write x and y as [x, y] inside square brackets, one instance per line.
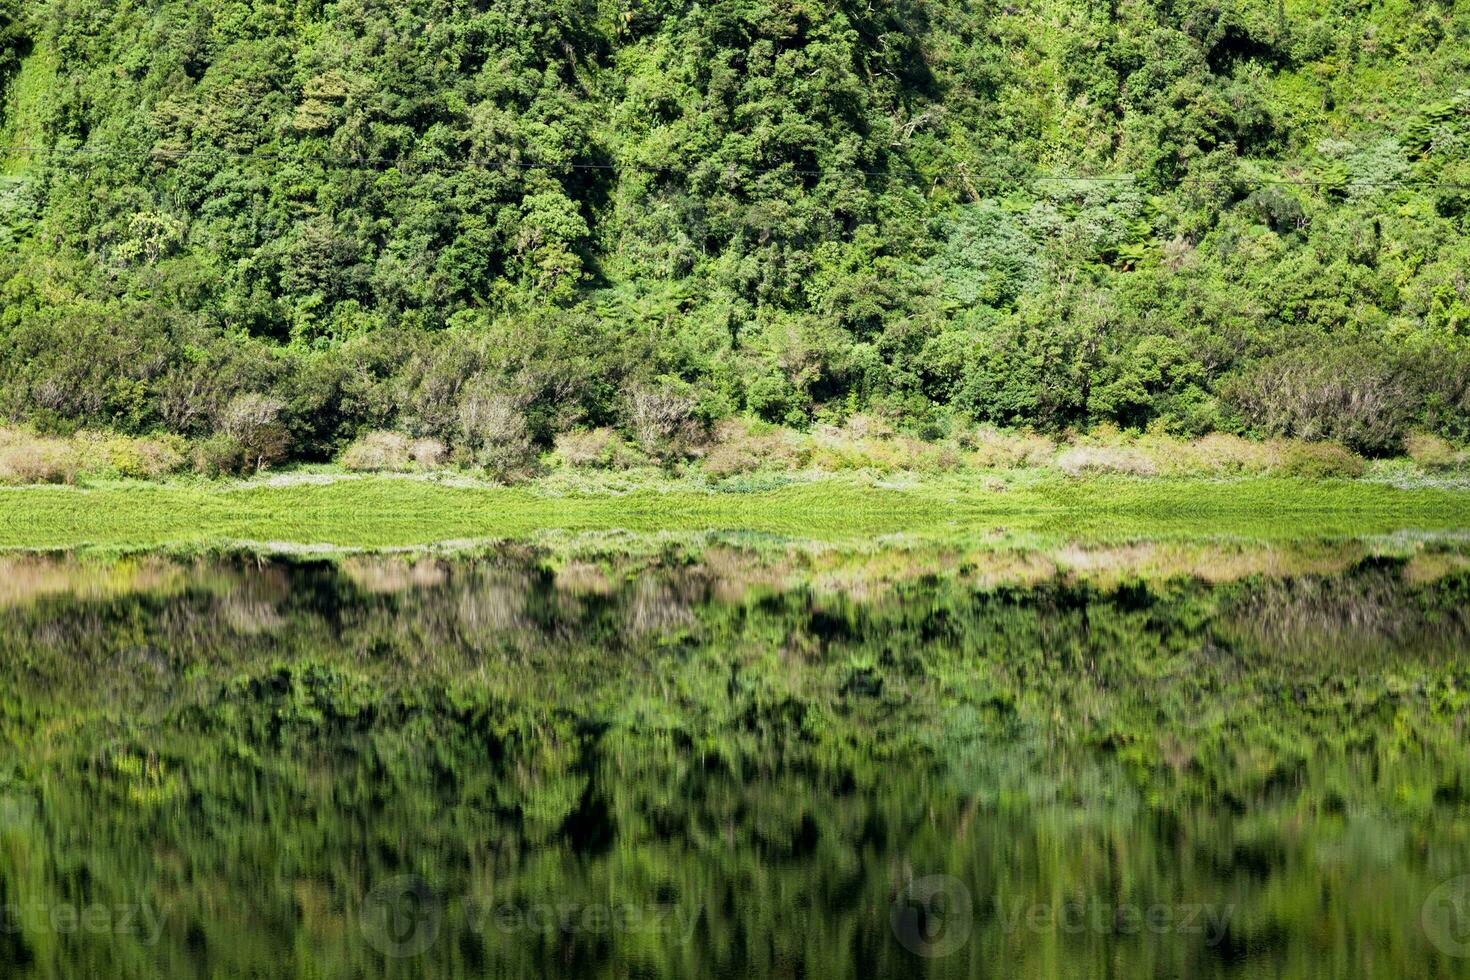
[27, 458]
[220, 455]
[863, 444]
[1214, 455]
[137, 459]
[1318, 461]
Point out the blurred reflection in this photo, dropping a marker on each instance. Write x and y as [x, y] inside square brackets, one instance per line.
[1143, 761]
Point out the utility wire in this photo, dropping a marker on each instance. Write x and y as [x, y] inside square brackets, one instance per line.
[507, 166]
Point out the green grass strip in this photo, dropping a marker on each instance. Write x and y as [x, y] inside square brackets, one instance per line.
[386, 513]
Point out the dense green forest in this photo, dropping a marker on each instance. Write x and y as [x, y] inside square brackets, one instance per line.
[488, 223]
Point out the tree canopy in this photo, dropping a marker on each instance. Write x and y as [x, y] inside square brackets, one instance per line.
[1240, 215]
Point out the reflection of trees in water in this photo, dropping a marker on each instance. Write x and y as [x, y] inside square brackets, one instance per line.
[491, 604]
[249, 617]
[378, 575]
[775, 771]
[1377, 614]
[656, 606]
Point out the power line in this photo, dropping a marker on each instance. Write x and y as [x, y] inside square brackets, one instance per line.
[506, 166]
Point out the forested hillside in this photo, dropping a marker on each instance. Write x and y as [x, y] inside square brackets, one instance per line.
[490, 222]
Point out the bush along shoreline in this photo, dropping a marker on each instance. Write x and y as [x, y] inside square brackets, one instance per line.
[495, 447]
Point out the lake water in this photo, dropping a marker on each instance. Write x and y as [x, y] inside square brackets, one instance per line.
[1132, 762]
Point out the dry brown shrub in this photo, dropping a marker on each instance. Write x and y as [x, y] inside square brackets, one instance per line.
[737, 447]
[1430, 451]
[27, 458]
[602, 448]
[1008, 450]
[1129, 460]
[379, 452]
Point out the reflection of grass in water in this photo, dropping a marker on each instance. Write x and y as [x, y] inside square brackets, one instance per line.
[378, 513]
[733, 566]
[25, 578]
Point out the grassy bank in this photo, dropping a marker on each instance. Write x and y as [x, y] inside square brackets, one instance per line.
[382, 512]
[734, 449]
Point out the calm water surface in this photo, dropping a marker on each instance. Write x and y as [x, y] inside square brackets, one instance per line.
[1241, 764]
